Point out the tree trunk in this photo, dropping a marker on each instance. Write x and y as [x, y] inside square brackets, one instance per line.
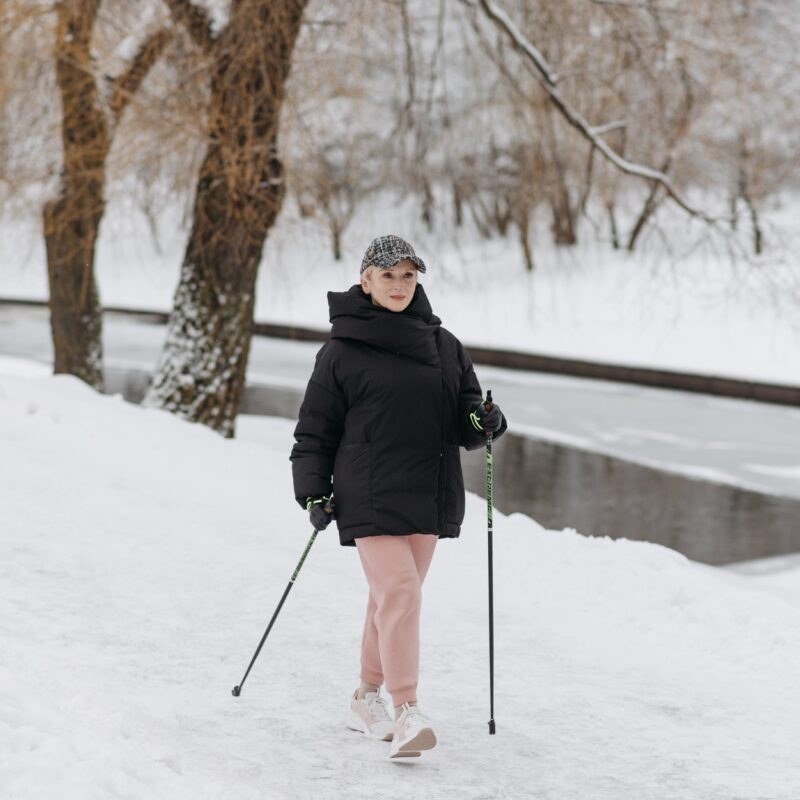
[427, 204]
[502, 214]
[744, 193]
[458, 214]
[733, 205]
[563, 225]
[72, 220]
[76, 317]
[561, 206]
[612, 222]
[587, 184]
[240, 190]
[650, 205]
[480, 216]
[337, 244]
[758, 237]
[527, 251]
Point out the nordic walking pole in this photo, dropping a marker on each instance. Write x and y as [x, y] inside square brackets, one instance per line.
[489, 436]
[237, 690]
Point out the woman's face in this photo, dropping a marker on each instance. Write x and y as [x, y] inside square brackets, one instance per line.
[391, 288]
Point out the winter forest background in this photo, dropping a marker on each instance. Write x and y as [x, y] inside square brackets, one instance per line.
[616, 181]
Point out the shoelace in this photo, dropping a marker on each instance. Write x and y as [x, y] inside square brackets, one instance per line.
[377, 707]
[413, 711]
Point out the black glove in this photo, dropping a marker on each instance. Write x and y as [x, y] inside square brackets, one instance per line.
[316, 507]
[485, 421]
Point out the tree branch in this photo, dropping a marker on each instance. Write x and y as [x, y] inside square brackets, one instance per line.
[195, 20]
[125, 86]
[76, 21]
[544, 74]
[609, 127]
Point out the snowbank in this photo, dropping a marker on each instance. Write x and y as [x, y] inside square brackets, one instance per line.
[143, 556]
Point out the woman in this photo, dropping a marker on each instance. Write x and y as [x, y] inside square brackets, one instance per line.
[392, 397]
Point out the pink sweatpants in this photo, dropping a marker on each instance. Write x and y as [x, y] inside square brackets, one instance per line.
[395, 567]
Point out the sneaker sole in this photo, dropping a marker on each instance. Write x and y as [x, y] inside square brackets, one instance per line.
[406, 754]
[424, 740]
[358, 724]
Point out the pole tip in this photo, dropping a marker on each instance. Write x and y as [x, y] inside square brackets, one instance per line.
[236, 691]
[491, 726]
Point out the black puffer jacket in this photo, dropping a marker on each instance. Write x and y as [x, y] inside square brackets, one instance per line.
[384, 415]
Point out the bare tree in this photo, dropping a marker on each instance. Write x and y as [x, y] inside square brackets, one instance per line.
[240, 190]
[752, 153]
[334, 161]
[547, 78]
[336, 176]
[89, 118]
[661, 87]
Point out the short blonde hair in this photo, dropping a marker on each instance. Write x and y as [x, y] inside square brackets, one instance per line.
[367, 271]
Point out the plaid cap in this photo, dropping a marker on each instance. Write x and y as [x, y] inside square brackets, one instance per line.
[386, 251]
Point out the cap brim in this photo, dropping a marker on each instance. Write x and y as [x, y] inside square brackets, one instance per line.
[390, 262]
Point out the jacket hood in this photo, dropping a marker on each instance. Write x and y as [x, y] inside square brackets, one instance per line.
[412, 332]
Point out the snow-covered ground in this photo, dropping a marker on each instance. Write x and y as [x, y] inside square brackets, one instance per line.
[676, 304]
[142, 557]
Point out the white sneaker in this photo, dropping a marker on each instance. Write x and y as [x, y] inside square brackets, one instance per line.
[412, 733]
[369, 715]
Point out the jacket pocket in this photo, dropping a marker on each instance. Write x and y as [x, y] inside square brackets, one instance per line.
[352, 485]
[454, 485]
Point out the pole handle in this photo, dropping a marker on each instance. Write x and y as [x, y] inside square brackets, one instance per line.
[487, 405]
